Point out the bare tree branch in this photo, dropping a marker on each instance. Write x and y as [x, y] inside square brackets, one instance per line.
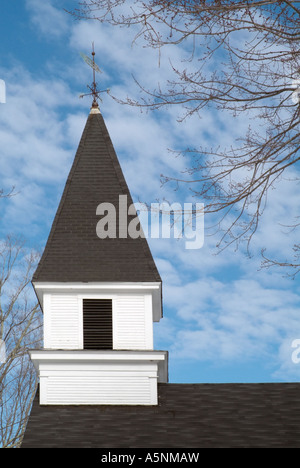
[255, 46]
[20, 329]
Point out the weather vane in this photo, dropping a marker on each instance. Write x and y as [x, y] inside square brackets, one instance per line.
[94, 87]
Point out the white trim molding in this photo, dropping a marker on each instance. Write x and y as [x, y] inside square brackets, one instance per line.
[155, 289]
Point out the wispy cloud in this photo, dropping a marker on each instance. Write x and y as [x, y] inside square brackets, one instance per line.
[36, 149]
[48, 19]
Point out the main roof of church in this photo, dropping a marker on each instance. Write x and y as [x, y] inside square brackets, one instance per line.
[188, 415]
[74, 252]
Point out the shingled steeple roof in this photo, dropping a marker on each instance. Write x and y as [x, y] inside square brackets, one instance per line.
[74, 252]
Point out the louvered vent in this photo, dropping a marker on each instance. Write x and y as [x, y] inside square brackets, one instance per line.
[97, 324]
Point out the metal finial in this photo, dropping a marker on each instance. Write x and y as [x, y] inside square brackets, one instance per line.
[94, 87]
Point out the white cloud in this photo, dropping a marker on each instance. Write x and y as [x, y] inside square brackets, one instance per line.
[49, 20]
[239, 320]
[36, 150]
[222, 309]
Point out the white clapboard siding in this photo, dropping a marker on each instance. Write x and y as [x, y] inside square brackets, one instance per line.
[99, 389]
[64, 322]
[77, 377]
[133, 322]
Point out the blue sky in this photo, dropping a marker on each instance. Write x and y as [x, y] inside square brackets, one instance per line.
[225, 319]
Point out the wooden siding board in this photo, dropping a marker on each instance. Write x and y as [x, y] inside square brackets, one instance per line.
[98, 389]
[131, 322]
[64, 321]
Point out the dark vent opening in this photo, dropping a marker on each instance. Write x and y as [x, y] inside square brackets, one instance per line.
[97, 324]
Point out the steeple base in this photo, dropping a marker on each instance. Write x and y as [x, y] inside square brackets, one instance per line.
[100, 377]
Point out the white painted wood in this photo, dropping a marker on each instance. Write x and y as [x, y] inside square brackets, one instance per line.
[47, 320]
[64, 322]
[98, 377]
[104, 288]
[128, 374]
[80, 322]
[43, 389]
[149, 321]
[130, 322]
[99, 390]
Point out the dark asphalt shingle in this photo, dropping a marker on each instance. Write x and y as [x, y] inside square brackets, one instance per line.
[188, 416]
[74, 252]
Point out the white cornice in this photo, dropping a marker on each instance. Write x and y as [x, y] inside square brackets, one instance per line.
[154, 288]
[96, 285]
[48, 357]
[95, 355]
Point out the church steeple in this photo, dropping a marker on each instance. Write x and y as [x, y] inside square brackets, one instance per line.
[99, 296]
[74, 252]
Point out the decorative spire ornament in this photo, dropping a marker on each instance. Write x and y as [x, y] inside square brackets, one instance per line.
[94, 86]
